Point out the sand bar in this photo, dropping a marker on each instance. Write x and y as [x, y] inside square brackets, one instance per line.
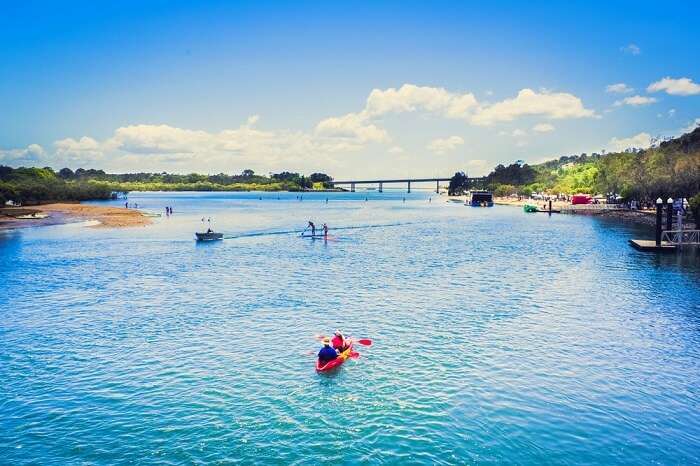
[60, 213]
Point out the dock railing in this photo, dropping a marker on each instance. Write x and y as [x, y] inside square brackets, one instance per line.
[591, 207]
[681, 237]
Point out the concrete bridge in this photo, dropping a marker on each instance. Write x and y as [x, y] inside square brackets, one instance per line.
[408, 181]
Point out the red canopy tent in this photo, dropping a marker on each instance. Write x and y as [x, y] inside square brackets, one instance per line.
[581, 199]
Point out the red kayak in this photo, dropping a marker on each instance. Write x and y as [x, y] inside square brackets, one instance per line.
[332, 364]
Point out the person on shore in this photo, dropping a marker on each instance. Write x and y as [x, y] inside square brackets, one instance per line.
[325, 230]
[126, 205]
[339, 343]
[327, 353]
[313, 228]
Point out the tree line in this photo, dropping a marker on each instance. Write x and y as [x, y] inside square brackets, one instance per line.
[671, 169]
[36, 185]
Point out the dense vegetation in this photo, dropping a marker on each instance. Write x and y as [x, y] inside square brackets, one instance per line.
[33, 185]
[671, 169]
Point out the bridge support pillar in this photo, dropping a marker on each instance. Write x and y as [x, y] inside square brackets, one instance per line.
[437, 187]
[659, 220]
[352, 187]
[381, 187]
[409, 186]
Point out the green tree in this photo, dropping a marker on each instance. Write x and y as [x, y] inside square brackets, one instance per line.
[459, 183]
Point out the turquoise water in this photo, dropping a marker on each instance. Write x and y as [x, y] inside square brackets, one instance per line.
[498, 337]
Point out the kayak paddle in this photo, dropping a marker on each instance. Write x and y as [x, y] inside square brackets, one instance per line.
[362, 341]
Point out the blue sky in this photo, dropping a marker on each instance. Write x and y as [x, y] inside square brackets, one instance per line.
[353, 88]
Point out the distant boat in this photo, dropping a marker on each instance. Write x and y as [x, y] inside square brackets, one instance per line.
[34, 216]
[209, 236]
[481, 199]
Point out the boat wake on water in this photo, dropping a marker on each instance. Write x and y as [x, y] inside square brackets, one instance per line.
[320, 236]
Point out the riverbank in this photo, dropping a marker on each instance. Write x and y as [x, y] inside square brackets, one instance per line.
[638, 217]
[61, 213]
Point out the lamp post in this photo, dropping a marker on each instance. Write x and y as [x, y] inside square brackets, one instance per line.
[669, 214]
[659, 217]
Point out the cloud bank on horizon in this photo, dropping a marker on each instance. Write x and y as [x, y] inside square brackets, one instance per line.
[426, 125]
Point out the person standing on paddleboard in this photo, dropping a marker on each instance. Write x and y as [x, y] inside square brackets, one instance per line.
[325, 230]
[327, 353]
[313, 228]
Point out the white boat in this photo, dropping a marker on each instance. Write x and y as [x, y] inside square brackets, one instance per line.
[34, 216]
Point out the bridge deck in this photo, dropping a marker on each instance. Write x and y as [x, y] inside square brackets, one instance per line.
[406, 180]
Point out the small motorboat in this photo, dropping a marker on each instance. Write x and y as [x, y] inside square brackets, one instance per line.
[209, 236]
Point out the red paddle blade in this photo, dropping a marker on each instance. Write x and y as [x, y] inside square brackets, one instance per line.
[365, 341]
[354, 355]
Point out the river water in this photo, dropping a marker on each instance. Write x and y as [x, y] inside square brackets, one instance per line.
[499, 336]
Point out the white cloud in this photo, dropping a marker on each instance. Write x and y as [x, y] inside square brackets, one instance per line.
[518, 132]
[411, 98]
[157, 147]
[632, 49]
[672, 113]
[639, 141]
[31, 154]
[441, 146]
[438, 101]
[528, 102]
[353, 127]
[83, 150]
[691, 127]
[619, 88]
[681, 86]
[636, 101]
[543, 128]
[142, 146]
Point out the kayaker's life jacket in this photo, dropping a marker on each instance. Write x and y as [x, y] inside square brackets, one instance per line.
[327, 354]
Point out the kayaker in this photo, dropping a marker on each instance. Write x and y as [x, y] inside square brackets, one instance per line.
[327, 353]
[313, 228]
[338, 341]
[325, 230]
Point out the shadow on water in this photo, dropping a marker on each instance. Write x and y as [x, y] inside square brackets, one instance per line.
[687, 258]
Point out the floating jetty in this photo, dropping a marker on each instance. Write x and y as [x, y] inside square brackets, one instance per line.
[669, 240]
[649, 245]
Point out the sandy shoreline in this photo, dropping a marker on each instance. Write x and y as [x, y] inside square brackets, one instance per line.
[61, 213]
